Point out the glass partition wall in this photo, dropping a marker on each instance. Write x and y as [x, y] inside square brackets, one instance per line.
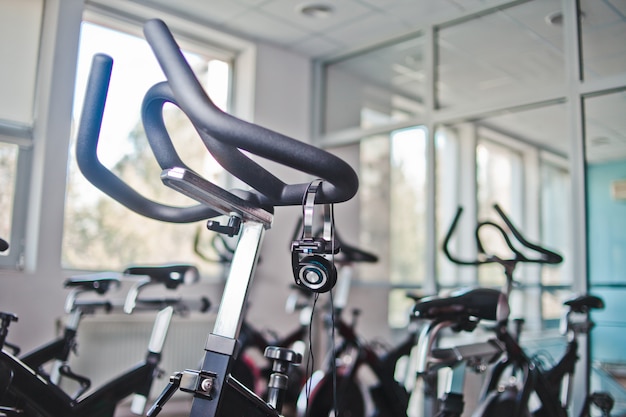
[517, 105]
[605, 167]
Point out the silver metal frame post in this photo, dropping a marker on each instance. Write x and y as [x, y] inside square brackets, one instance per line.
[232, 305]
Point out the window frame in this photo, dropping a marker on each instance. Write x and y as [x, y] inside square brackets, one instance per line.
[569, 94]
[22, 138]
[41, 167]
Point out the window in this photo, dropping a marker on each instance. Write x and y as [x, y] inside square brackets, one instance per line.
[556, 215]
[448, 142]
[376, 87]
[476, 68]
[99, 233]
[602, 39]
[20, 22]
[20, 30]
[504, 132]
[393, 188]
[408, 205]
[554, 97]
[499, 181]
[8, 168]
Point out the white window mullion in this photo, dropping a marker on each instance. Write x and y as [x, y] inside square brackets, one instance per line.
[56, 71]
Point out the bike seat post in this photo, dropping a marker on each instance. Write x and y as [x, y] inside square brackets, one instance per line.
[426, 378]
[518, 325]
[71, 325]
[155, 347]
[452, 403]
[70, 300]
[222, 342]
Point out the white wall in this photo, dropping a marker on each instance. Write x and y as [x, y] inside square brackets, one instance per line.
[282, 104]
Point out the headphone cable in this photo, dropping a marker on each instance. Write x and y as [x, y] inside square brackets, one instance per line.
[332, 314]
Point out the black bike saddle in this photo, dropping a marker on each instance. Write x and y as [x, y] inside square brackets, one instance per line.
[169, 275]
[480, 303]
[584, 303]
[100, 282]
[352, 254]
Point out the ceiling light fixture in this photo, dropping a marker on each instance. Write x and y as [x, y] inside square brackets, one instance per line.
[600, 141]
[556, 18]
[316, 10]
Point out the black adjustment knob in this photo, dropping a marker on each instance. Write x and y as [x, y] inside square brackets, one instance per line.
[282, 357]
[278, 383]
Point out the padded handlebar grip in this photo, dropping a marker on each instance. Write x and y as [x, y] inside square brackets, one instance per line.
[547, 256]
[103, 178]
[225, 136]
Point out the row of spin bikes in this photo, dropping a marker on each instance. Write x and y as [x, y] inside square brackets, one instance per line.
[358, 378]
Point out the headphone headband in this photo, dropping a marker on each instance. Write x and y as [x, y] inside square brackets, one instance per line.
[313, 271]
[308, 213]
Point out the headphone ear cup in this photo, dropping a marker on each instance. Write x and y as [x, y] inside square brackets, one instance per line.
[315, 273]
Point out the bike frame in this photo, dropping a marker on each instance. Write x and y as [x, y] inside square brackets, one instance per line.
[249, 212]
[208, 383]
[388, 396]
[33, 393]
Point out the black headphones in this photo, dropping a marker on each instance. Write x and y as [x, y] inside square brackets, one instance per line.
[311, 269]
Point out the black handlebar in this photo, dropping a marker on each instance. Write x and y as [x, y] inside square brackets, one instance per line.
[98, 174]
[446, 241]
[546, 256]
[224, 136]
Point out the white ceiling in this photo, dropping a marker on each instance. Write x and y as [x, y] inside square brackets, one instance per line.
[351, 24]
[464, 58]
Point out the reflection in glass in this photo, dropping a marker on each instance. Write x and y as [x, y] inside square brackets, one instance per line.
[477, 68]
[603, 37]
[375, 87]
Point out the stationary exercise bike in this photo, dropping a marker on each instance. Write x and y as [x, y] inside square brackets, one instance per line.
[51, 359]
[525, 377]
[27, 393]
[253, 341]
[550, 382]
[341, 378]
[461, 311]
[250, 212]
